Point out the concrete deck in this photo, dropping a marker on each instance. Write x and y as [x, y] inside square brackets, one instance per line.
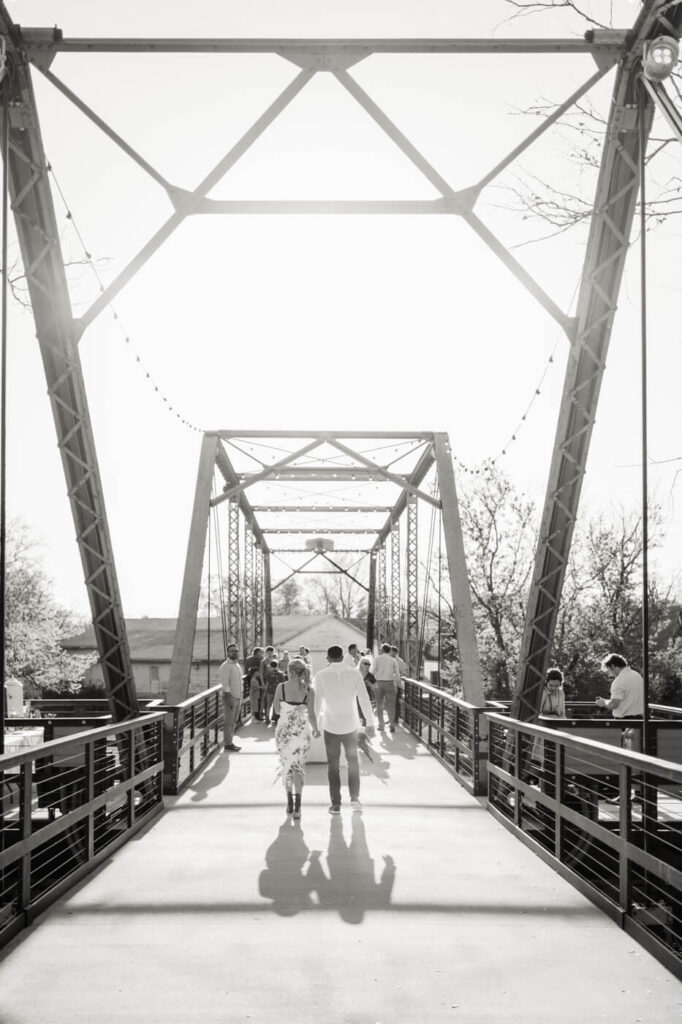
[423, 909]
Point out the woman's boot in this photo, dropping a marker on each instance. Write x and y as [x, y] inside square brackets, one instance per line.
[290, 802]
[297, 805]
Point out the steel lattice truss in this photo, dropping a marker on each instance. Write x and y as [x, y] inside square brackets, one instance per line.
[588, 332]
[305, 488]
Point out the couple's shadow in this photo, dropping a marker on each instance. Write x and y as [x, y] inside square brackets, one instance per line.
[295, 878]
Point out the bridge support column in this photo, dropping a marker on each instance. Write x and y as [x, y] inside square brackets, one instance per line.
[393, 632]
[412, 587]
[267, 597]
[372, 600]
[472, 681]
[183, 643]
[233, 580]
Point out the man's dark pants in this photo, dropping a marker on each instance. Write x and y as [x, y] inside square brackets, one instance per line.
[333, 742]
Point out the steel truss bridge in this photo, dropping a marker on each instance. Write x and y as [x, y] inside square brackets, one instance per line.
[420, 471]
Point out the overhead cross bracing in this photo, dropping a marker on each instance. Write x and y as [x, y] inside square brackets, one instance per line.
[588, 333]
[320, 493]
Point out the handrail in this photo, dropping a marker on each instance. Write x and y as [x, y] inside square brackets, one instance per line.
[606, 818]
[67, 804]
[453, 730]
[192, 734]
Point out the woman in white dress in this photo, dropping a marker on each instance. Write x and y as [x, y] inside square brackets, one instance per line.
[293, 733]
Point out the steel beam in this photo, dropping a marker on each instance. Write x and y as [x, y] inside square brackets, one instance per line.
[248, 593]
[38, 46]
[267, 597]
[470, 663]
[233, 575]
[38, 236]
[321, 508]
[381, 613]
[259, 609]
[412, 589]
[372, 601]
[183, 644]
[394, 632]
[417, 475]
[607, 247]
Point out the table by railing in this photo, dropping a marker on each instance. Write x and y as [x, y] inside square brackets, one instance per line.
[192, 734]
[67, 804]
[608, 819]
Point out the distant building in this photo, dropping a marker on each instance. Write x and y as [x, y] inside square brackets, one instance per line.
[151, 647]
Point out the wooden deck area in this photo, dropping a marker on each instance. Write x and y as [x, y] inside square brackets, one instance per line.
[423, 908]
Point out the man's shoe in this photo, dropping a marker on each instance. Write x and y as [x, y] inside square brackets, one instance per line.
[356, 806]
[380, 728]
[233, 747]
[335, 809]
[391, 728]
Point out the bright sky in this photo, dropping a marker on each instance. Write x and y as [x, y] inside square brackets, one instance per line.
[377, 323]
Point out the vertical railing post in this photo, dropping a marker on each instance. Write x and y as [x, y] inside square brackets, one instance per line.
[517, 776]
[89, 797]
[26, 825]
[560, 766]
[625, 830]
[130, 751]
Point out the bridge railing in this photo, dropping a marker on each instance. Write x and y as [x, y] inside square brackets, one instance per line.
[608, 819]
[454, 731]
[192, 734]
[69, 803]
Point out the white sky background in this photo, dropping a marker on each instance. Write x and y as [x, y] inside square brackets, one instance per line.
[377, 323]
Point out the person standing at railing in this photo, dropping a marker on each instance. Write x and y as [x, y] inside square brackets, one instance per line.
[552, 705]
[230, 676]
[387, 675]
[627, 694]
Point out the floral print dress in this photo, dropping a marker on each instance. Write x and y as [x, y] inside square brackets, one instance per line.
[292, 736]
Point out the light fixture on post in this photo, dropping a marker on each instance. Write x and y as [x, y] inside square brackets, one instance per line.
[660, 57]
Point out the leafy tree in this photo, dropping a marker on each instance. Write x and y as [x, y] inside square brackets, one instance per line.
[287, 598]
[35, 623]
[499, 539]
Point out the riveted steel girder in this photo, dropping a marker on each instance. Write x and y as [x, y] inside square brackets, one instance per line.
[233, 577]
[607, 246]
[38, 236]
[412, 590]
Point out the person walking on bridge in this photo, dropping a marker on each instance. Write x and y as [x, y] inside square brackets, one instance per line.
[230, 676]
[336, 690]
[293, 732]
[387, 682]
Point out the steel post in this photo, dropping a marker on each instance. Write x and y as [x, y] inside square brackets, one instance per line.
[412, 587]
[233, 580]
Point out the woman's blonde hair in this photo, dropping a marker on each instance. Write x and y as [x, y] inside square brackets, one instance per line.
[297, 667]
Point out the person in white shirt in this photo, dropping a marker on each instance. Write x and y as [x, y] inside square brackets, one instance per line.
[627, 693]
[336, 691]
[353, 656]
[387, 676]
[230, 676]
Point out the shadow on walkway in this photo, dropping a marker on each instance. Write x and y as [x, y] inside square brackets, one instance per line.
[210, 779]
[347, 885]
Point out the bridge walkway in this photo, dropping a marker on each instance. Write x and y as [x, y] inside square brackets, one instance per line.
[423, 908]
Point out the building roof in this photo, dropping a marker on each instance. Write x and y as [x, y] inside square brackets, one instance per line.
[151, 640]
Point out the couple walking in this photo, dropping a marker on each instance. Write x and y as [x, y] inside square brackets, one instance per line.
[328, 708]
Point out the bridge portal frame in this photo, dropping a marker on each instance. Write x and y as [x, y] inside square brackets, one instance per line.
[431, 451]
[59, 332]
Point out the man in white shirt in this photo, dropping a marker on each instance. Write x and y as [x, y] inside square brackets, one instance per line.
[353, 656]
[230, 676]
[388, 680]
[336, 691]
[627, 693]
